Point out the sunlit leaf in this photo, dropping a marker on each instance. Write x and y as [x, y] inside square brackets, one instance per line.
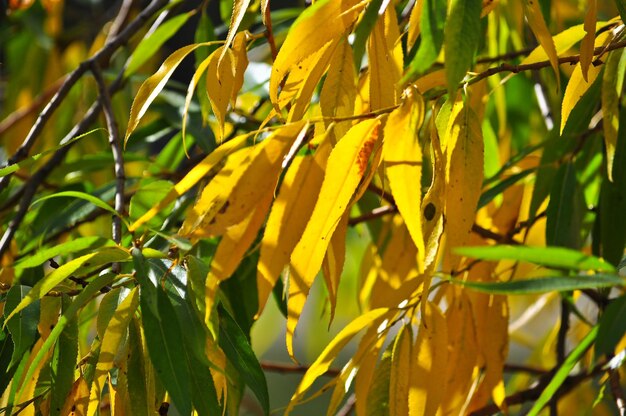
[151, 44]
[556, 257]
[462, 36]
[99, 258]
[545, 284]
[532, 11]
[403, 165]
[346, 166]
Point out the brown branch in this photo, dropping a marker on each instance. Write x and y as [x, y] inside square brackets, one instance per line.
[375, 213]
[101, 56]
[505, 56]
[520, 368]
[616, 390]
[116, 150]
[573, 59]
[22, 112]
[488, 234]
[348, 407]
[29, 189]
[292, 368]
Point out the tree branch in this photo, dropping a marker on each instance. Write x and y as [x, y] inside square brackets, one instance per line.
[101, 56]
[116, 149]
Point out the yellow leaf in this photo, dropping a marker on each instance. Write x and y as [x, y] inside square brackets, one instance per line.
[426, 367]
[215, 194]
[319, 24]
[303, 80]
[220, 82]
[339, 91]
[576, 88]
[431, 80]
[151, 87]
[588, 42]
[113, 338]
[385, 61]
[462, 363]
[232, 249]
[347, 164]
[400, 372]
[491, 320]
[364, 358]
[397, 267]
[191, 88]
[218, 359]
[78, 399]
[540, 29]
[103, 256]
[464, 178]
[562, 41]
[403, 165]
[332, 265]
[289, 215]
[194, 176]
[240, 63]
[326, 358]
[239, 10]
[414, 24]
[433, 204]
[491, 317]
[249, 183]
[264, 6]
[611, 89]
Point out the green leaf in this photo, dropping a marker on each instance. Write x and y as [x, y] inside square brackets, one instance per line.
[82, 195]
[613, 202]
[621, 7]
[239, 352]
[363, 30]
[7, 170]
[22, 326]
[6, 352]
[462, 37]
[63, 363]
[566, 209]
[563, 371]
[544, 284]
[557, 257]
[151, 44]
[378, 397]
[163, 336]
[612, 328]
[149, 193]
[99, 258]
[136, 372]
[502, 186]
[150, 89]
[79, 244]
[432, 28]
[204, 396]
[81, 300]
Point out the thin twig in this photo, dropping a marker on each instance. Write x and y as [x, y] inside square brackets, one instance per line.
[348, 407]
[375, 213]
[116, 149]
[292, 368]
[101, 56]
[505, 56]
[30, 188]
[616, 390]
[533, 393]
